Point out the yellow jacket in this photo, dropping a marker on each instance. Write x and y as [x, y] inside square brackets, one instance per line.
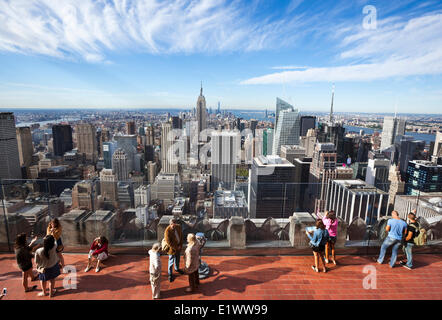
[171, 240]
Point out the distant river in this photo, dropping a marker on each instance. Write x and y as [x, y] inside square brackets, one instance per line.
[42, 123]
[419, 136]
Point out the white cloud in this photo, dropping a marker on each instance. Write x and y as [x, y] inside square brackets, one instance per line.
[394, 49]
[89, 29]
[289, 67]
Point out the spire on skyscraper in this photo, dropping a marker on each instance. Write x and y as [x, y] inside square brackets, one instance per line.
[331, 108]
[201, 92]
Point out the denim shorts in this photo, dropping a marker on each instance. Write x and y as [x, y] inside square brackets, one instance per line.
[320, 248]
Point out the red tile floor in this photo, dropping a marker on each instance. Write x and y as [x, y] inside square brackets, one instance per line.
[241, 277]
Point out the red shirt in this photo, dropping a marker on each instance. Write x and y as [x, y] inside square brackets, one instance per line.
[98, 248]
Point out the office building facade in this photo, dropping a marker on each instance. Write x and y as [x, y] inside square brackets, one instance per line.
[62, 139]
[9, 154]
[272, 188]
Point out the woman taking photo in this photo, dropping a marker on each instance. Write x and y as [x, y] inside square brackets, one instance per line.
[317, 242]
[48, 267]
[54, 229]
[24, 255]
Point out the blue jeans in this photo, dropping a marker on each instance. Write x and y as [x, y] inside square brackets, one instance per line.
[408, 249]
[173, 259]
[388, 242]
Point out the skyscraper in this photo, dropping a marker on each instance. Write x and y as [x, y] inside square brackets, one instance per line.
[129, 144]
[253, 124]
[423, 176]
[437, 152]
[306, 122]
[333, 133]
[378, 171]
[281, 105]
[201, 113]
[267, 142]
[130, 127]
[120, 165]
[9, 155]
[87, 141]
[177, 122]
[322, 169]
[409, 149]
[272, 188]
[352, 199]
[150, 138]
[308, 142]
[109, 148]
[82, 195]
[169, 162]
[108, 186]
[225, 148]
[104, 136]
[25, 148]
[287, 130]
[62, 139]
[392, 127]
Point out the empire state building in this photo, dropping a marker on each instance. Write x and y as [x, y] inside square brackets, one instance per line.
[201, 113]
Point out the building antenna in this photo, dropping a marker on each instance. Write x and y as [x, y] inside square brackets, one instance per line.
[395, 108]
[331, 107]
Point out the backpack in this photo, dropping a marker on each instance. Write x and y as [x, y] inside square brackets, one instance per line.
[420, 237]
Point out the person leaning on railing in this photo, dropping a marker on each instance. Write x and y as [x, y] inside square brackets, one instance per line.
[331, 224]
[317, 243]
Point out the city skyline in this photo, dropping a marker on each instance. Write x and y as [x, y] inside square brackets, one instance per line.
[98, 55]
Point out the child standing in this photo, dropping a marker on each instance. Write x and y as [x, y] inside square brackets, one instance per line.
[155, 270]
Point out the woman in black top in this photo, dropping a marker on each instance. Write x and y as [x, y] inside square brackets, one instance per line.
[24, 255]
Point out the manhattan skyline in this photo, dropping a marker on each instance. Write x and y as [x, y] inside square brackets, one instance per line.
[147, 54]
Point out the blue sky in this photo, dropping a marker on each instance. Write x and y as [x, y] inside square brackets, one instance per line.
[124, 53]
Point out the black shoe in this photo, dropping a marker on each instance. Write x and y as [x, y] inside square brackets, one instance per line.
[180, 271]
[171, 278]
[402, 263]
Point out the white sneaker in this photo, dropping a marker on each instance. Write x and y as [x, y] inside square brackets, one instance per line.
[97, 269]
[87, 269]
[326, 260]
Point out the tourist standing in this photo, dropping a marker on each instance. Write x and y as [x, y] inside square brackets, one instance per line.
[191, 257]
[317, 242]
[155, 270]
[24, 255]
[396, 228]
[98, 251]
[46, 259]
[173, 238]
[331, 225]
[412, 232]
[54, 229]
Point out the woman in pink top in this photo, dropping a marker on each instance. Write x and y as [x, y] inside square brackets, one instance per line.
[331, 224]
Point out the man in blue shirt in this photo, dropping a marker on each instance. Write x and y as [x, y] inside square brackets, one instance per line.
[396, 228]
